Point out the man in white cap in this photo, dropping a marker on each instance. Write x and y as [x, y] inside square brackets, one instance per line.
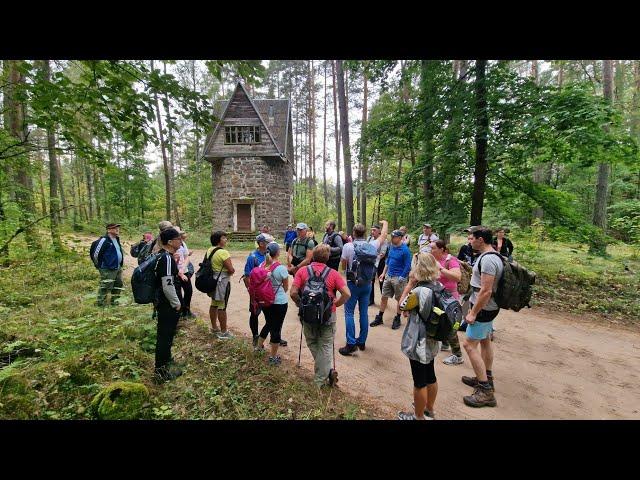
[301, 251]
[426, 237]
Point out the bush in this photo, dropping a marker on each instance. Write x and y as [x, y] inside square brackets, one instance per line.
[624, 220]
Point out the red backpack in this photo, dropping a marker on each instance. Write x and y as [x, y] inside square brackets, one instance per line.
[261, 289]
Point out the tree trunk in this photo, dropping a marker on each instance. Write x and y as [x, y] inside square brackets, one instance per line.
[363, 158]
[428, 99]
[604, 169]
[165, 161]
[172, 167]
[482, 130]
[96, 189]
[396, 198]
[17, 128]
[324, 141]
[337, 139]
[344, 128]
[534, 70]
[196, 150]
[312, 80]
[43, 197]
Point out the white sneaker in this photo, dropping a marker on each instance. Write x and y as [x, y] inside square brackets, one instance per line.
[224, 336]
[453, 360]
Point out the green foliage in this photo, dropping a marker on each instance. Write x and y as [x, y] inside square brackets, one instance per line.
[625, 220]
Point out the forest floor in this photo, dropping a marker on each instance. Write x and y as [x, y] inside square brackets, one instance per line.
[547, 366]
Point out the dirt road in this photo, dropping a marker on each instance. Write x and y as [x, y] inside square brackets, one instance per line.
[545, 367]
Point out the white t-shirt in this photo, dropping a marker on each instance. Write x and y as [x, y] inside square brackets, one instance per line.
[424, 243]
[183, 251]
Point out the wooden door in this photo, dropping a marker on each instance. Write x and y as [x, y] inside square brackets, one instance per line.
[244, 217]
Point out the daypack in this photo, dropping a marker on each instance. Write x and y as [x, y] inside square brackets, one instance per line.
[96, 250]
[145, 251]
[136, 247]
[363, 266]
[206, 281]
[296, 260]
[445, 316]
[466, 271]
[330, 239]
[143, 280]
[315, 302]
[515, 285]
[261, 290]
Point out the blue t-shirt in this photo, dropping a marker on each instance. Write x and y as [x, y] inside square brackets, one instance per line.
[290, 236]
[279, 275]
[399, 261]
[254, 259]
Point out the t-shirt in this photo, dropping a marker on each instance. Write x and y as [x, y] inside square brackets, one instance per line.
[424, 242]
[254, 259]
[491, 265]
[382, 248]
[166, 271]
[183, 251]
[218, 259]
[349, 252]
[399, 261]
[279, 275]
[116, 245]
[300, 247]
[334, 280]
[449, 284]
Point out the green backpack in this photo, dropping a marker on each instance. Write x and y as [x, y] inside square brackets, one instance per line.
[515, 286]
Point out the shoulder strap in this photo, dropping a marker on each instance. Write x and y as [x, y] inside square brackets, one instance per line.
[310, 271]
[480, 260]
[325, 272]
[213, 252]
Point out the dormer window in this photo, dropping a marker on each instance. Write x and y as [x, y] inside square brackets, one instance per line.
[242, 134]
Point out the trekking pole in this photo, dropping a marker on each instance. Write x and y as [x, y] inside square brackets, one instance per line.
[300, 351]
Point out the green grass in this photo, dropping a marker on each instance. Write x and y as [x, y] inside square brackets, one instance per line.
[64, 351]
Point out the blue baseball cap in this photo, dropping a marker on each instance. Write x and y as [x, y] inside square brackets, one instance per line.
[397, 233]
[302, 226]
[261, 238]
[273, 248]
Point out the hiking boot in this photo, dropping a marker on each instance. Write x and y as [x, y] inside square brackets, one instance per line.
[445, 347]
[165, 374]
[361, 346]
[473, 381]
[377, 321]
[283, 343]
[481, 397]
[347, 350]
[333, 377]
[453, 360]
[396, 322]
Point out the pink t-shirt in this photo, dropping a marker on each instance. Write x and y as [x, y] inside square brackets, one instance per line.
[334, 280]
[450, 284]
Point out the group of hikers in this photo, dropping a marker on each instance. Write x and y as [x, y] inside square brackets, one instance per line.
[438, 294]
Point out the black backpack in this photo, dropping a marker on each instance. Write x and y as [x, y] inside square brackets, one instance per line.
[143, 280]
[297, 260]
[206, 282]
[96, 250]
[445, 316]
[136, 247]
[515, 286]
[315, 302]
[145, 250]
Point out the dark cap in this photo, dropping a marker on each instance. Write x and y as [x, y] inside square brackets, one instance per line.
[376, 225]
[273, 248]
[112, 225]
[397, 233]
[168, 234]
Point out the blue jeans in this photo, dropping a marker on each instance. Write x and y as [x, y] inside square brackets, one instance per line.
[360, 295]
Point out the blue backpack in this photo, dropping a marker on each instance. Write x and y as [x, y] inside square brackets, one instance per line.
[363, 266]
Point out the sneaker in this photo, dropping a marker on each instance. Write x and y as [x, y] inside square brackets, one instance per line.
[276, 360]
[361, 346]
[377, 321]
[453, 360]
[333, 377]
[283, 343]
[214, 331]
[189, 314]
[396, 322]
[481, 397]
[445, 347]
[410, 416]
[473, 381]
[224, 336]
[427, 413]
[347, 350]
[259, 350]
[255, 341]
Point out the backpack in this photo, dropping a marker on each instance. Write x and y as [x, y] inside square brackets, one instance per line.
[445, 316]
[363, 266]
[145, 251]
[297, 260]
[466, 271]
[315, 302]
[135, 248]
[205, 280]
[330, 240]
[261, 290]
[515, 286]
[96, 250]
[143, 280]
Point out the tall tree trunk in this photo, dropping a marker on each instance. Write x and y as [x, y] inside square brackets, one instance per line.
[428, 98]
[561, 75]
[534, 70]
[165, 161]
[172, 166]
[87, 171]
[396, 198]
[43, 197]
[604, 169]
[196, 150]
[312, 80]
[344, 128]
[324, 141]
[482, 130]
[539, 170]
[337, 139]
[363, 158]
[96, 189]
[17, 128]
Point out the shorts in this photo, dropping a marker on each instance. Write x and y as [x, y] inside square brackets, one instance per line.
[393, 287]
[423, 373]
[481, 330]
[222, 304]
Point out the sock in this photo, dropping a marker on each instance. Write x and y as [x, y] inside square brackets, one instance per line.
[485, 385]
[380, 314]
[489, 374]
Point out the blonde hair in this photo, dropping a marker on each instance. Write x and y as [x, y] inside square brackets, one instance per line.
[321, 253]
[426, 268]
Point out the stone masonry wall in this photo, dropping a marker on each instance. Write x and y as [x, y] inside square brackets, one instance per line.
[267, 180]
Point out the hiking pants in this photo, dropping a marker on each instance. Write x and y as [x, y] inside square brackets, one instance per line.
[359, 295]
[110, 282]
[454, 341]
[275, 318]
[185, 292]
[167, 322]
[320, 341]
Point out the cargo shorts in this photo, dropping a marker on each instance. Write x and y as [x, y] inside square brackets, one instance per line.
[393, 287]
